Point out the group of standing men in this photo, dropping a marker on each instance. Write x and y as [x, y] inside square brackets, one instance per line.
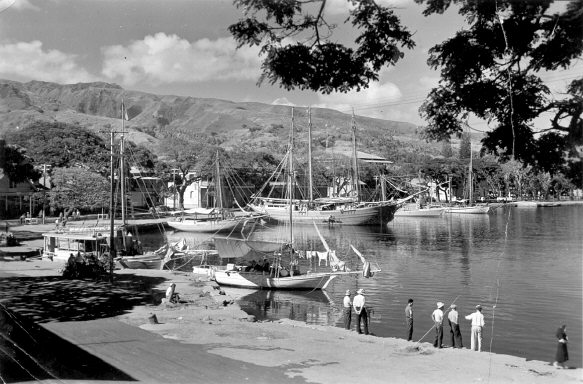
[477, 318]
[358, 305]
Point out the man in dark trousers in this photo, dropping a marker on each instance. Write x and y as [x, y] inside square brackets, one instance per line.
[409, 319]
[454, 327]
[347, 309]
[437, 317]
[361, 314]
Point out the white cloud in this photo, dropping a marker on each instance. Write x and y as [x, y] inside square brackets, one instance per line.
[29, 61]
[282, 101]
[161, 59]
[367, 102]
[18, 4]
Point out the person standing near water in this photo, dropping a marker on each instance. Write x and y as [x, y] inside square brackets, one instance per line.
[409, 319]
[477, 324]
[562, 354]
[454, 327]
[361, 315]
[437, 317]
[347, 310]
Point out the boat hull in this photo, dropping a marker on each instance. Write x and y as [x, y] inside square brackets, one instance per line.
[152, 261]
[474, 210]
[203, 225]
[422, 212]
[369, 215]
[257, 280]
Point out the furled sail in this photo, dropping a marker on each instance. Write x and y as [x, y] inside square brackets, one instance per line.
[229, 247]
[367, 268]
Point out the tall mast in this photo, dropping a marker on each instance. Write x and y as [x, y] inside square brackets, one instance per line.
[470, 173]
[122, 174]
[218, 186]
[311, 195]
[111, 212]
[290, 179]
[355, 160]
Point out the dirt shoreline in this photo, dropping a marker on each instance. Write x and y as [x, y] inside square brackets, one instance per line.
[316, 354]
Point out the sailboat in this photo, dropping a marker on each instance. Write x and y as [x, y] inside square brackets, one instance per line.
[217, 219]
[113, 243]
[344, 210]
[471, 208]
[284, 270]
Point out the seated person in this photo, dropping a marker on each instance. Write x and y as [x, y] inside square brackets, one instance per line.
[171, 295]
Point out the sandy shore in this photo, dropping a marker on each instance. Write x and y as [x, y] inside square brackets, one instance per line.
[216, 326]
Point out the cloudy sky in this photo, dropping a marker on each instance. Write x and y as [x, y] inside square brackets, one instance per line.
[183, 47]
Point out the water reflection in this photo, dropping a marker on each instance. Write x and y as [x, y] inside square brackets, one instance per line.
[315, 307]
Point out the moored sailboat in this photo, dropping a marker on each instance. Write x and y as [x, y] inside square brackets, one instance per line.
[284, 271]
[349, 210]
[216, 219]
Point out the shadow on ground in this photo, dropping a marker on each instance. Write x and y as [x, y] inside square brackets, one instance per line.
[31, 353]
[52, 298]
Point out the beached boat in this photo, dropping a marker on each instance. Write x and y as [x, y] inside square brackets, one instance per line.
[349, 210]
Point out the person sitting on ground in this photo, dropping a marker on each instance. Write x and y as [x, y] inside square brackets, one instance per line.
[171, 294]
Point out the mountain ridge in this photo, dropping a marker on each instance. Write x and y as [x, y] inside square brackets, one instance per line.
[96, 106]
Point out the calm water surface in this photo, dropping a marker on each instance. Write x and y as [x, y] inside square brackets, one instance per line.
[523, 265]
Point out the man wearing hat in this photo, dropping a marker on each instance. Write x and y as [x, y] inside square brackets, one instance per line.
[359, 308]
[347, 310]
[477, 324]
[437, 317]
[454, 327]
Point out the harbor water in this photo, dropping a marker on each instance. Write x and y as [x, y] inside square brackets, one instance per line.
[523, 265]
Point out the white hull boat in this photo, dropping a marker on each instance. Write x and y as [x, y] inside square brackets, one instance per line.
[188, 224]
[366, 215]
[470, 210]
[411, 210]
[147, 261]
[266, 281]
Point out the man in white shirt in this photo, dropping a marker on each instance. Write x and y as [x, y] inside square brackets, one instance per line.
[454, 327]
[361, 314]
[347, 310]
[437, 317]
[171, 294]
[477, 324]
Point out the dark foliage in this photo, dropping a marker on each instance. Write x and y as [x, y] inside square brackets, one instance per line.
[491, 70]
[63, 145]
[315, 62]
[85, 267]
